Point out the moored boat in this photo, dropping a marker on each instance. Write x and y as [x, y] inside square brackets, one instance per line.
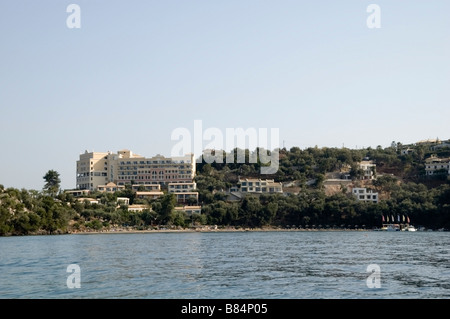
[410, 228]
[390, 227]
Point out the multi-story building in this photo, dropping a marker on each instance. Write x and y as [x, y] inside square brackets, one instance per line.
[183, 191]
[149, 194]
[92, 170]
[368, 168]
[441, 145]
[146, 187]
[435, 165]
[182, 187]
[365, 195]
[186, 196]
[125, 167]
[260, 186]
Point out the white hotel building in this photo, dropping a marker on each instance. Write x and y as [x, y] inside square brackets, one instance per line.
[100, 168]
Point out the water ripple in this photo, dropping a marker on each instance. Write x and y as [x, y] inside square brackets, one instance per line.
[227, 265]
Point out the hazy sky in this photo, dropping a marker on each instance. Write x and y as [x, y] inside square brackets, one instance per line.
[137, 70]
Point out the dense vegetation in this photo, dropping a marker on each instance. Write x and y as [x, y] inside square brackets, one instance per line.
[429, 207]
[313, 163]
[406, 189]
[30, 212]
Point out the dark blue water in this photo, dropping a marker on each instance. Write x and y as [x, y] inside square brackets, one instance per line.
[242, 265]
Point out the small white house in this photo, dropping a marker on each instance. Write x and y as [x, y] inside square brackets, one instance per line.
[123, 201]
[260, 186]
[365, 195]
[137, 208]
[368, 168]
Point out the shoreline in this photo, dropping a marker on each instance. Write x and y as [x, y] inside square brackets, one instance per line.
[204, 229]
[212, 230]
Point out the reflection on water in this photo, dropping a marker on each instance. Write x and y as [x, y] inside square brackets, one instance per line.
[227, 265]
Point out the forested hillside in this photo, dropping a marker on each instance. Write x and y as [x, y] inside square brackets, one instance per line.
[399, 178]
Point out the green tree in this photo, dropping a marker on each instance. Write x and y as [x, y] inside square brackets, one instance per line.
[52, 183]
[320, 179]
[179, 219]
[5, 220]
[95, 224]
[252, 211]
[198, 219]
[148, 216]
[164, 207]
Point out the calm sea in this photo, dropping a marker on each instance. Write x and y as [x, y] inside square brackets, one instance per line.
[244, 265]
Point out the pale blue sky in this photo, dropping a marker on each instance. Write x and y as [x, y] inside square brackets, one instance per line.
[137, 70]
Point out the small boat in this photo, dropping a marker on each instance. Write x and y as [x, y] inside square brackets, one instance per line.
[390, 227]
[409, 228]
[393, 227]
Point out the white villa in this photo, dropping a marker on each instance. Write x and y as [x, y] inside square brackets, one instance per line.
[365, 195]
